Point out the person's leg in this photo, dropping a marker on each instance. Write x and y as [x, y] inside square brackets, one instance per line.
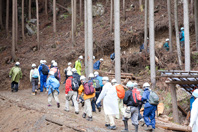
[89, 110]
[111, 119]
[75, 101]
[120, 105]
[12, 86]
[67, 102]
[50, 99]
[152, 116]
[41, 83]
[125, 121]
[139, 115]
[146, 114]
[55, 93]
[107, 122]
[134, 117]
[93, 103]
[16, 86]
[44, 81]
[33, 85]
[36, 84]
[85, 108]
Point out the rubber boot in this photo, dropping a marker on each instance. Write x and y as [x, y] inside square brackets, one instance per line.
[125, 126]
[136, 128]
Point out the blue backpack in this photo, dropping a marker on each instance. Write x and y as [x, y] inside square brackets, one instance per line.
[35, 73]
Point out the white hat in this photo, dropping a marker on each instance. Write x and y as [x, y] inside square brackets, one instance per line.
[82, 77]
[69, 73]
[69, 68]
[167, 39]
[69, 63]
[195, 93]
[146, 85]
[135, 84]
[101, 59]
[96, 73]
[182, 28]
[41, 61]
[91, 75]
[94, 57]
[74, 70]
[130, 84]
[33, 65]
[147, 38]
[44, 61]
[113, 81]
[17, 63]
[53, 61]
[80, 57]
[55, 64]
[51, 72]
[105, 79]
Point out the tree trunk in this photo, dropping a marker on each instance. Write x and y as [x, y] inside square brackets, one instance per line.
[111, 17]
[54, 15]
[80, 10]
[30, 9]
[37, 17]
[186, 35]
[46, 13]
[124, 9]
[23, 34]
[152, 42]
[72, 26]
[145, 24]
[107, 1]
[117, 40]
[86, 39]
[90, 36]
[75, 16]
[1, 17]
[170, 24]
[16, 11]
[7, 17]
[196, 22]
[141, 6]
[177, 33]
[13, 30]
[192, 2]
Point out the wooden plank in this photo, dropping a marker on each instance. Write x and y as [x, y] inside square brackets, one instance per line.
[174, 103]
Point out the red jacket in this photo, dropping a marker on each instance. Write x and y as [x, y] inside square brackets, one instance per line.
[68, 85]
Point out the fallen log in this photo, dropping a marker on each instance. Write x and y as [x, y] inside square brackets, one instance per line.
[127, 74]
[53, 121]
[181, 109]
[62, 7]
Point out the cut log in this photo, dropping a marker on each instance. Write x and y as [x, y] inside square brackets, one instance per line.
[181, 109]
[127, 74]
[172, 126]
[53, 121]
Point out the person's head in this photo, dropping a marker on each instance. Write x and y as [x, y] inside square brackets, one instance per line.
[80, 57]
[105, 80]
[195, 93]
[91, 75]
[74, 70]
[182, 28]
[167, 40]
[101, 60]
[69, 64]
[130, 85]
[96, 73]
[51, 73]
[113, 81]
[135, 85]
[94, 57]
[53, 61]
[147, 39]
[69, 73]
[17, 64]
[146, 85]
[55, 64]
[82, 79]
[44, 61]
[41, 61]
[33, 65]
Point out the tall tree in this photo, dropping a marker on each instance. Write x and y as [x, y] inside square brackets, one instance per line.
[177, 32]
[196, 22]
[141, 6]
[86, 37]
[75, 17]
[192, 2]
[90, 36]
[124, 9]
[111, 17]
[37, 17]
[80, 10]
[117, 40]
[145, 24]
[152, 42]
[186, 35]
[54, 15]
[72, 23]
[46, 12]
[30, 10]
[7, 17]
[23, 34]
[16, 11]
[1, 17]
[170, 25]
[13, 30]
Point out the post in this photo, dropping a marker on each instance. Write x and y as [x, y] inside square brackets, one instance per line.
[86, 44]
[117, 40]
[54, 15]
[145, 24]
[170, 24]
[37, 16]
[174, 103]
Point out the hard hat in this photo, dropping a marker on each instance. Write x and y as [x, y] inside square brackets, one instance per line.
[147, 38]
[101, 59]
[91, 75]
[135, 85]
[17, 63]
[51, 72]
[33, 65]
[69, 63]
[146, 85]
[195, 93]
[41, 61]
[182, 28]
[113, 81]
[81, 57]
[96, 73]
[44, 61]
[55, 64]
[82, 77]
[105, 79]
[167, 39]
[74, 70]
[69, 68]
[94, 57]
[53, 61]
[69, 73]
[130, 84]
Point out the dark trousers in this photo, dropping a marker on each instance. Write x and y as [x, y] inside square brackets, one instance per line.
[139, 115]
[34, 84]
[14, 86]
[93, 102]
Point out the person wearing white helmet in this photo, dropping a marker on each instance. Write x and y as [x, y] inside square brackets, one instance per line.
[15, 74]
[34, 78]
[110, 103]
[149, 110]
[97, 64]
[182, 37]
[52, 87]
[52, 62]
[142, 46]
[67, 69]
[94, 57]
[56, 71]
[193, 126]
[166, 45]
[70, 94]
[76, 76]
[87, 97]
[78, 64]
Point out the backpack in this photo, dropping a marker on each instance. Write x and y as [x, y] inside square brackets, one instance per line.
[112, 57]
[44, 70]
[153, 98]
[35, 73]
[180, 35]
[120, 91]
[88, 88]
[56, 74]
[75, 84]
[136, 97]
[96, 84]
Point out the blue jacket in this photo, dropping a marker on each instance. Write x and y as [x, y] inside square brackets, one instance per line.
[100, 80]
[166, 46]
[52, 84]
[145, 98]
[182, 36]
[112, 56]
[142, 48]
[96, 65]
[40, 69]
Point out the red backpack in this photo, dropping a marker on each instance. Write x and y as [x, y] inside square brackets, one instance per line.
[136, 97]
[120, 91]
[88, 88]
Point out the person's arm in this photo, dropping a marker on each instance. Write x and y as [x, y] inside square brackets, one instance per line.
[48, 84]
[194, 114]
[144, 97]
[80, 90]
[67, 85]
[102, 94]
[126, 97]
[10, 73]
[30, 75]
[20, 73]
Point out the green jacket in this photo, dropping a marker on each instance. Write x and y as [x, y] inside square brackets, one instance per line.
[78, 66]
[15, 73]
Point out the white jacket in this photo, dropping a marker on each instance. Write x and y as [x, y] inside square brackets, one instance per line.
[31, 72]
[110, 99]
[194, 116]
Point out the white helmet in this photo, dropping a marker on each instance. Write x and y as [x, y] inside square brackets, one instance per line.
[91, 75]
[41, 61]
[69, 73]
[94, 57]
[130, 84]
[182, 28]
[147, 38]
[113, 81]
[53, 61]
[55, 64]
[195, 93]
[51, 72]
[105, 79]
[96, 73]
[101, 59]
[69, 68]
[146, 84]
[82, 77]
[44, 61]
[74, 70]
[80, 57]
[17, 63]
[135, 84]
[167, 39]
[33, 65]
[69, 63]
